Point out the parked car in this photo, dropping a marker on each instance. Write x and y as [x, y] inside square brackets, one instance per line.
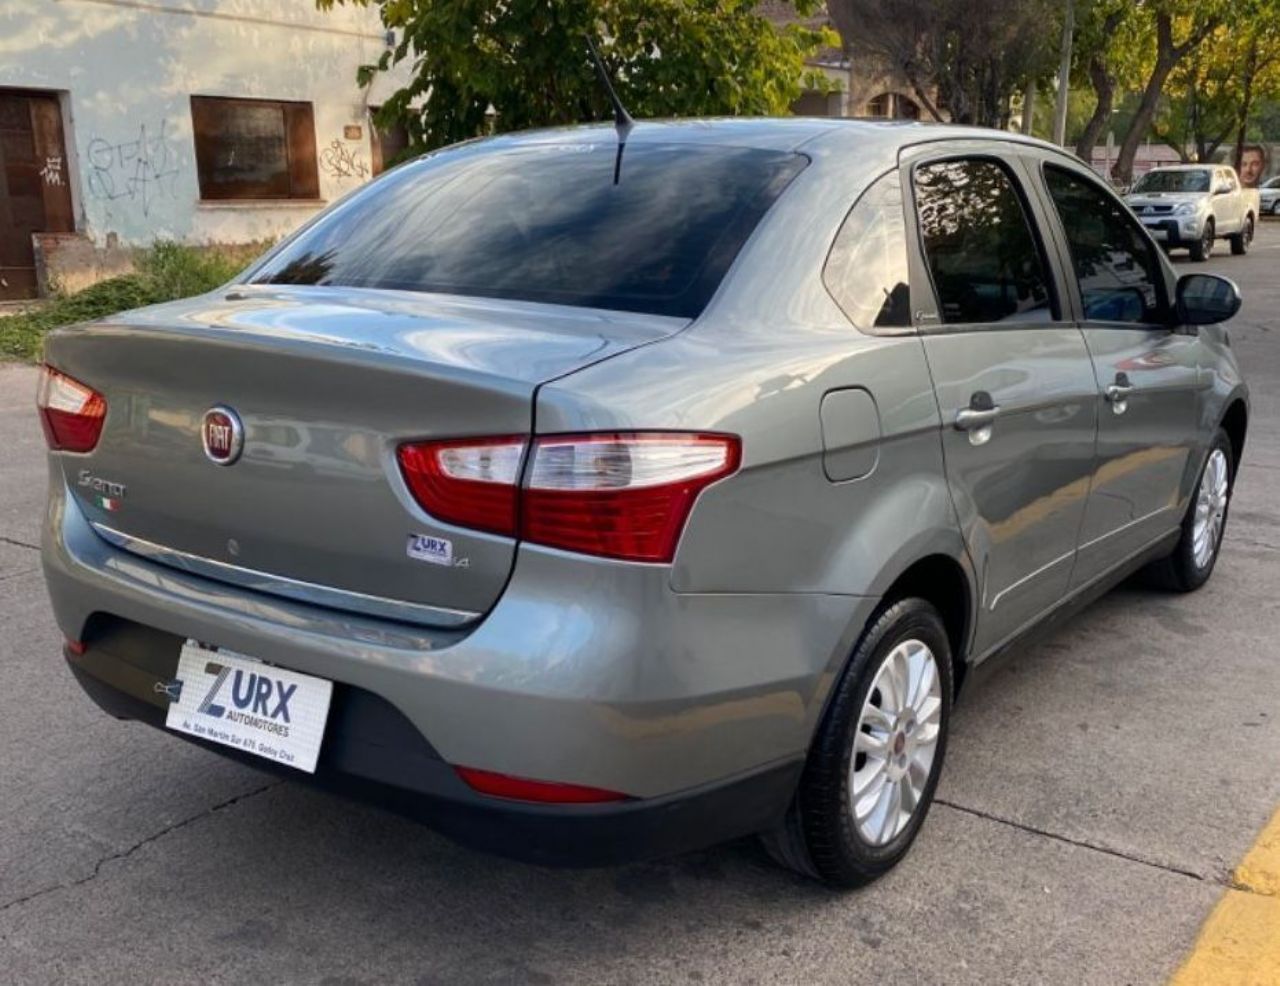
[1269, 196]
[652, 495]
[1193, 205]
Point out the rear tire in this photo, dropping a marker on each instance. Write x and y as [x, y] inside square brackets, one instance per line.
[1192, 561]
[875, 761]
[1202, 249]
[1240, 241]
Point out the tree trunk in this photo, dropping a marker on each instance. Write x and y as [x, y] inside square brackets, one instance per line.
[1246, 99]
[1029, 106]
[1167, 57]
[1105, 87]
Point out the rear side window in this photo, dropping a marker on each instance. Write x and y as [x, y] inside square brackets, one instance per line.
[1114, 263]
[866, 272]
[549, 223]
[985, 262]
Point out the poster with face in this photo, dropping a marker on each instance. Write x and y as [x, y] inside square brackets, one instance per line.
[1253, 165]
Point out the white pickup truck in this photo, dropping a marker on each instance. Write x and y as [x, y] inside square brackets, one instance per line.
[1192, 205]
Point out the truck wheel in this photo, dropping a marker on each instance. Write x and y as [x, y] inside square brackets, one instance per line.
[875, 760]
[1202, 249]
[1240, 241]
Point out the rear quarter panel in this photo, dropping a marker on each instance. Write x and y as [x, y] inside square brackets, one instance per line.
[758, 364]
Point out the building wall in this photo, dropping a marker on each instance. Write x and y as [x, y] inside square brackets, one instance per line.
[126, 70]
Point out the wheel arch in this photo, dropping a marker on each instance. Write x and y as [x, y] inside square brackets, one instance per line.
[944, 582]
[1235, 422]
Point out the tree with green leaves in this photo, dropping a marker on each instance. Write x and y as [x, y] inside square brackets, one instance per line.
[505, 65]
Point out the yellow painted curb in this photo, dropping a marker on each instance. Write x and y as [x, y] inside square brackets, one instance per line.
[1240, 943]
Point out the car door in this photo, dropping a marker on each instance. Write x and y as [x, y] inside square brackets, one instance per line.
[1226, 199]
[1013, 379]
[1148, 373]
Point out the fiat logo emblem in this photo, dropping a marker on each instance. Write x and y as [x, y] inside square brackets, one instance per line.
[222, 434]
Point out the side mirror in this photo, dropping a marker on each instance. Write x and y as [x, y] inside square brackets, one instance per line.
[1205, 299]
[1222, 190]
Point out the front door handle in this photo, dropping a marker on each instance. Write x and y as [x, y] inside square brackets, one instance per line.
[1117, 393]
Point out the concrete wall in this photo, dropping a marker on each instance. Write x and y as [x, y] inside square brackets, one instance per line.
[127, 69]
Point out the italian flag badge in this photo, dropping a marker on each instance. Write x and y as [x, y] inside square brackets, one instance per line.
[107, 503]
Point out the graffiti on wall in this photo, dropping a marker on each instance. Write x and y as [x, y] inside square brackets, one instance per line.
[139, 171]
[338, 161]
[51, 172]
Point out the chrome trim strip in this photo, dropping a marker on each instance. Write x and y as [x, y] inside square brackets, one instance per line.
[1027, 578]
[1124, 527]
[280, 585]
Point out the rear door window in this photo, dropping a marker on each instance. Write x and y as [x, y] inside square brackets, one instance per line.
[982, 253]
[573, 224]
[1115, 263]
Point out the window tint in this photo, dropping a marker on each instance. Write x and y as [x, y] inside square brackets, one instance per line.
[548, 222]
[982, 254]
[254, 149]
[1114, 263]
[867, 270]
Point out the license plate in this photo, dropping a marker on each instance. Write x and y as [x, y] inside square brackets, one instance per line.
[241, 702]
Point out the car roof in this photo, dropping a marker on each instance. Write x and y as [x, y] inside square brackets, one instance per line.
[774, 133]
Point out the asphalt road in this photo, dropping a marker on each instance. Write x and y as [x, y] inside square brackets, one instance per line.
[1099, 788]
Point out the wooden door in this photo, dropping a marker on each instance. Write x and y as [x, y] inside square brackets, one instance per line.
[35, 191]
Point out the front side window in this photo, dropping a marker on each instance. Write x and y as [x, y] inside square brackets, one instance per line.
[1114, 263]
[254, 149]
[985, 262]
[866, 272]
[568, 224]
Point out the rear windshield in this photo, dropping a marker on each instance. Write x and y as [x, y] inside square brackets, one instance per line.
[1173, 181]
[549, 223]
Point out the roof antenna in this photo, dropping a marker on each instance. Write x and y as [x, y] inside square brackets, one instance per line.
[622, 121]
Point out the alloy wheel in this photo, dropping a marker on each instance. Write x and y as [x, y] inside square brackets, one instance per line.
[895, 742]
[1211, 509]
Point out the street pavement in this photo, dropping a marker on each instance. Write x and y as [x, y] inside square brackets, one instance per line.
[1100, 786]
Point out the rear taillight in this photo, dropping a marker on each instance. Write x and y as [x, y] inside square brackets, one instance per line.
[617, 495]
[620, 495]
[471, 482]
[72, 413]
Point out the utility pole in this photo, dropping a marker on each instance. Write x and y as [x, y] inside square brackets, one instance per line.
[1064, 76]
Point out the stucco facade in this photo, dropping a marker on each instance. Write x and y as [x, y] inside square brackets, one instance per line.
[124, 73]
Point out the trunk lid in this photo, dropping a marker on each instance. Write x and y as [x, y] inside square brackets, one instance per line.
[326, 382]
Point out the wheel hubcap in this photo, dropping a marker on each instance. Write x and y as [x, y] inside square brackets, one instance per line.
[1211, 509]
[895, 742]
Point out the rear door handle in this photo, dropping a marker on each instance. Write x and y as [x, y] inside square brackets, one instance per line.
[978, 417]
[972, 418]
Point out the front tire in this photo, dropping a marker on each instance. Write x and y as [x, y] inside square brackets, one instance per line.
[1202, 249]
[1196, 554]
[875, 761]
[1240, 241]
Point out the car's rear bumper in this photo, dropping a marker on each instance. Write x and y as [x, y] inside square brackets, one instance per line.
[371, 752]
[596, 675]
